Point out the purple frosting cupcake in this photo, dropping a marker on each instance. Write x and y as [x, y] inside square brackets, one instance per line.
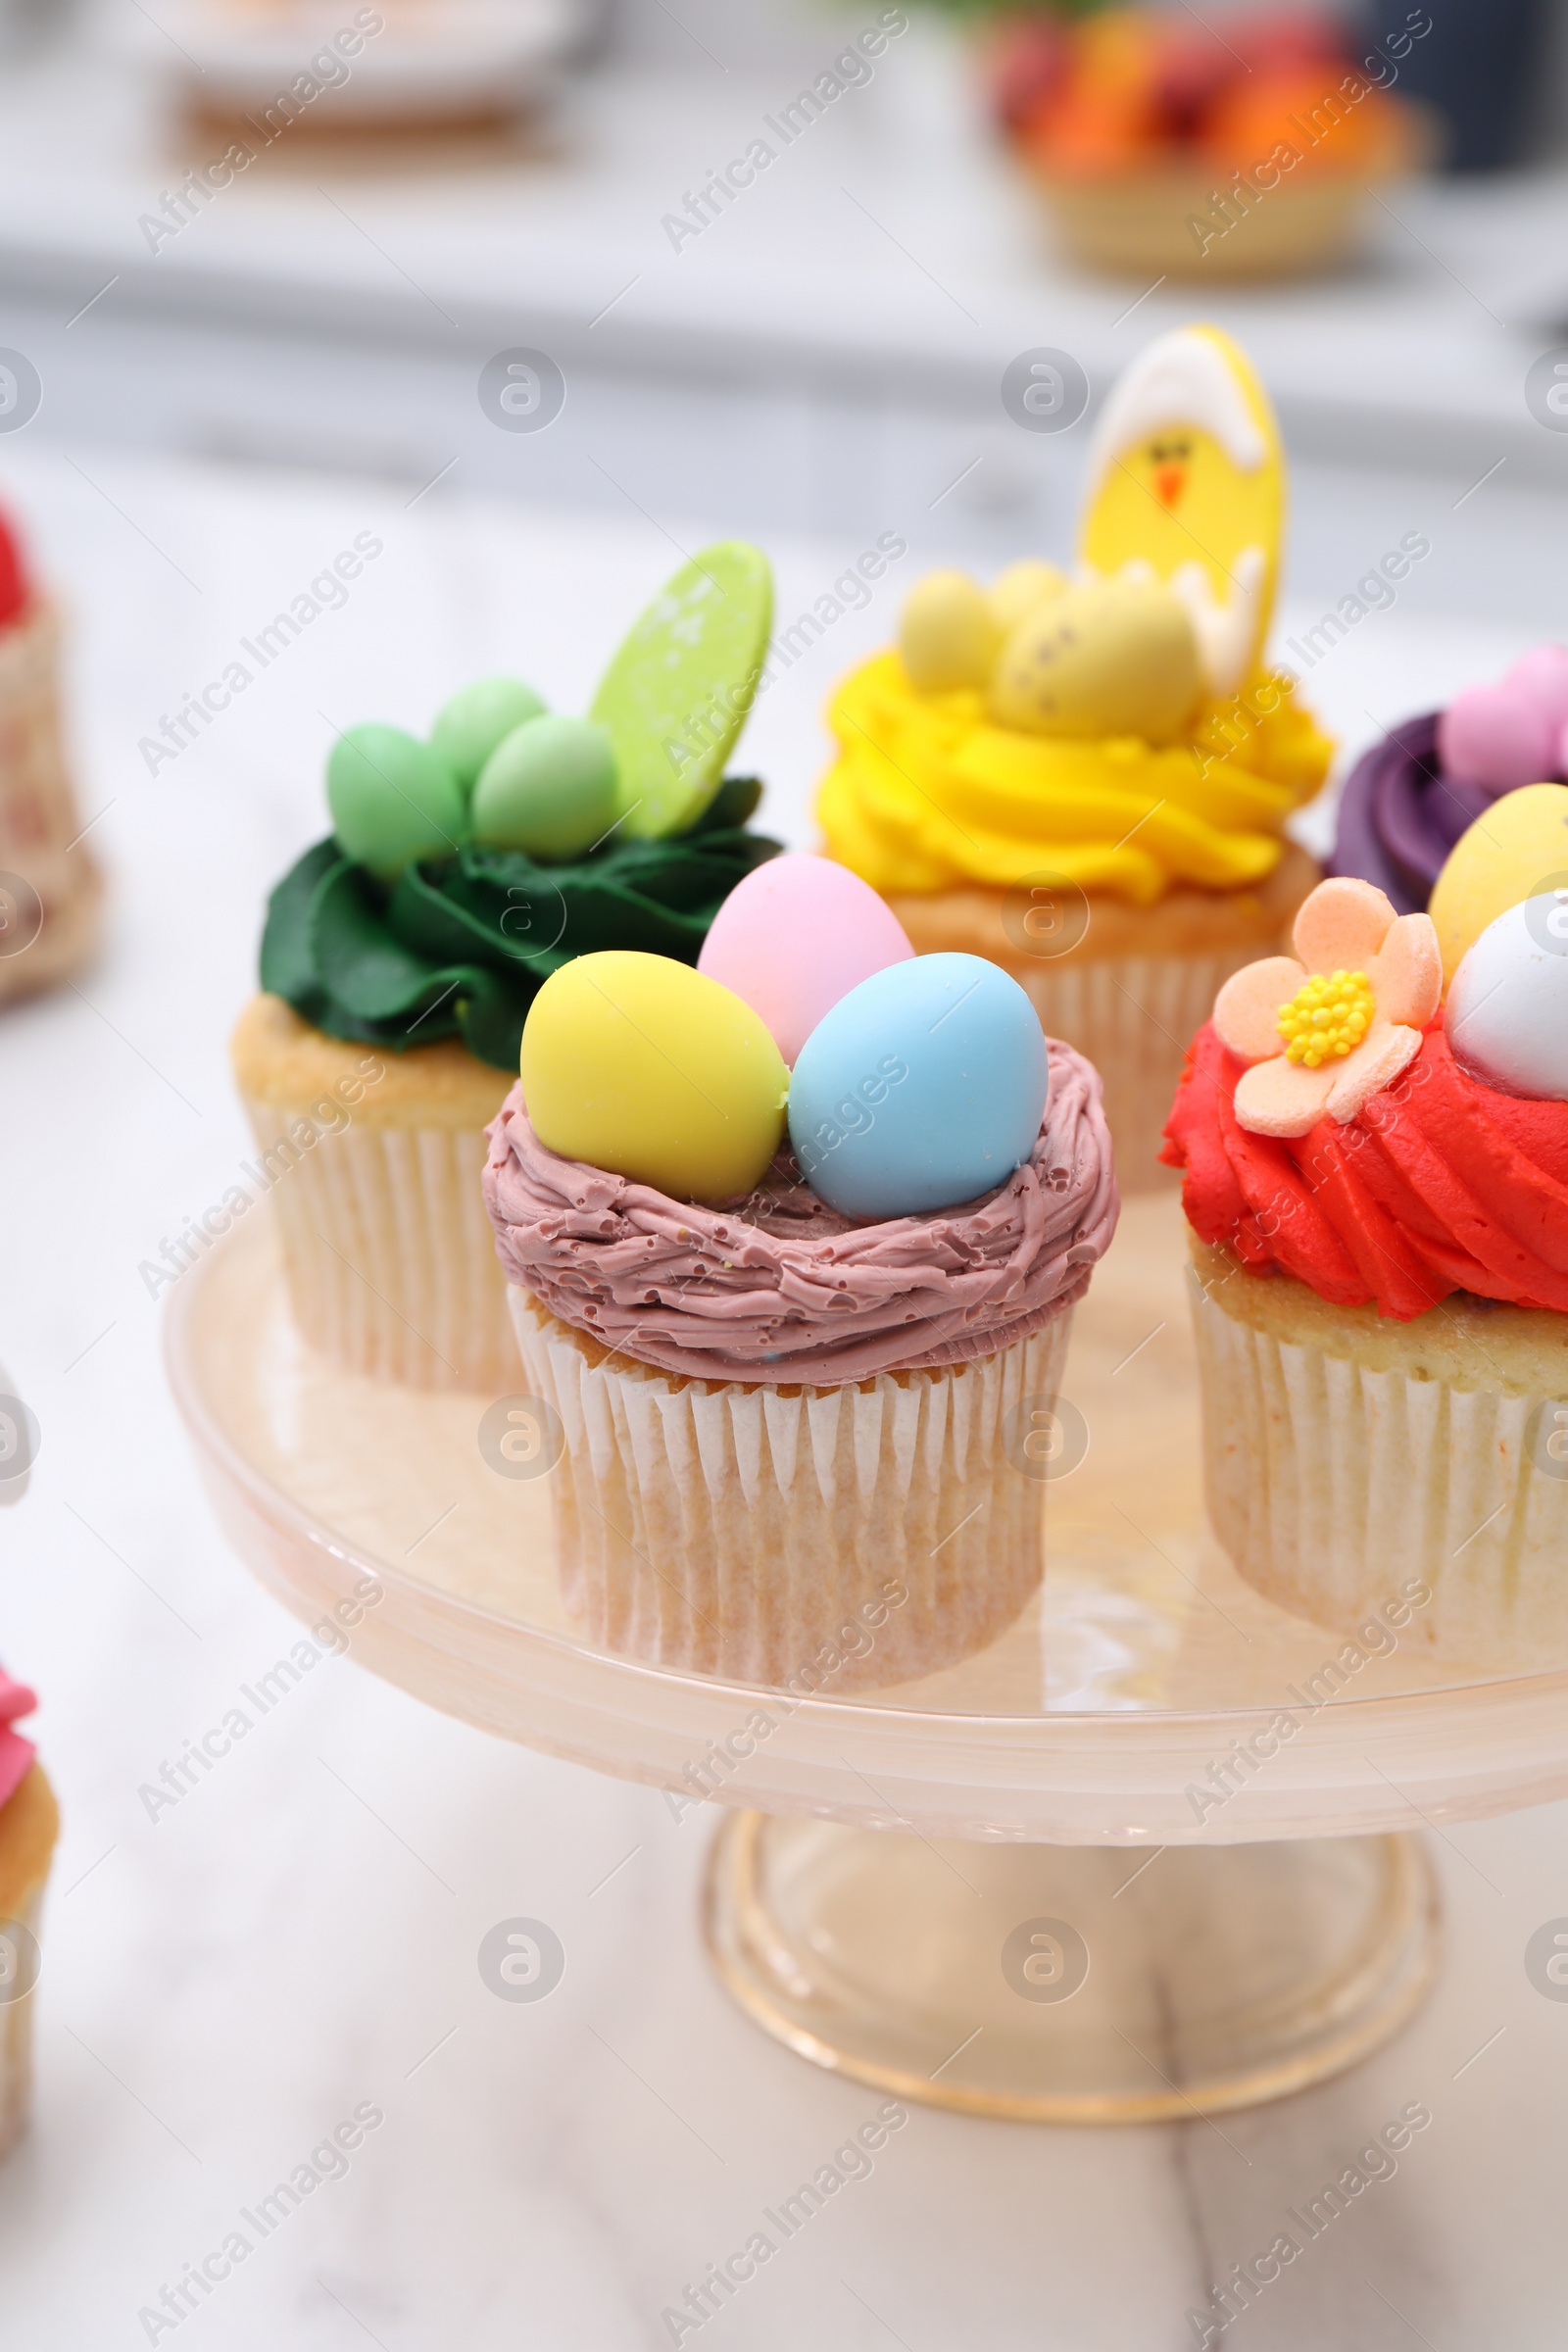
[1399, 816]
[1406, 802]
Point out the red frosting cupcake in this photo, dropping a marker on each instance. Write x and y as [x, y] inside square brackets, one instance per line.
[1379, 1240]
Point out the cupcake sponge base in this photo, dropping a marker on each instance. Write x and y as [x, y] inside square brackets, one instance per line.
[374, 1160]
[815, 1539]
[1345, 1456]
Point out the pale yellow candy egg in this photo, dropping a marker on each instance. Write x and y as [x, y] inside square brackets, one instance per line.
[1517, 849]
[640, 1065]
[1021, 587]
[947, 633]
[1115, 659]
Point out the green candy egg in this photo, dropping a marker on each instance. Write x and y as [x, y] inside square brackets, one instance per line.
[475, 720]
[393, 800]
[548, 789]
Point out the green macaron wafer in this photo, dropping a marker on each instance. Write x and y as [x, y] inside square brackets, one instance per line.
[678, 691]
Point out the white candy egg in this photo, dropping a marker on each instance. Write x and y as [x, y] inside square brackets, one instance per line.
[1507, 1010]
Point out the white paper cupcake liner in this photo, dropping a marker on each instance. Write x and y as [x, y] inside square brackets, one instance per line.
[1333, 1485]
[389, 1252]
[1134, 1016]
[742, 1530]
[15, 2039]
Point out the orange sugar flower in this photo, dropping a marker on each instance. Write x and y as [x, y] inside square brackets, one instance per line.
[1323, 1034]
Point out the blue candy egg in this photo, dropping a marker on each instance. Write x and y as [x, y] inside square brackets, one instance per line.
[922, 1087]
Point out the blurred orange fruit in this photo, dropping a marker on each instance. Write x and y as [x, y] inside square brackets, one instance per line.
[1332, 117]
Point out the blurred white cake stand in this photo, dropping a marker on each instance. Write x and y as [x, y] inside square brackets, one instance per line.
[934, 1889]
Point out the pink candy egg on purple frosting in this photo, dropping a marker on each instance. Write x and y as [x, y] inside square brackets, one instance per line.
[1510, 732]
[1407, 800]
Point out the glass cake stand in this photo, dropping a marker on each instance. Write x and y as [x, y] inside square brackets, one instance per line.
[1037, 1884]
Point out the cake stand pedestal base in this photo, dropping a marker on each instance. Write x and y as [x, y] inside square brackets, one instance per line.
[1071, 1984]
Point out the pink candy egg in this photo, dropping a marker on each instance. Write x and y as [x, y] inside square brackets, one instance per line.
[1495, 736]
[797, 935]
[1541, 677]
[1506, 734]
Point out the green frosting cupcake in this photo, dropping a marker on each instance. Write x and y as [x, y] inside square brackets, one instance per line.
[460, 946]
[410, 922]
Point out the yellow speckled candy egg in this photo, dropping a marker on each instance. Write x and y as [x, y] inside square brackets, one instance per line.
[947, 633]
[1016, 592]
[1517, 849]
[1117, 657]
[638, 1064]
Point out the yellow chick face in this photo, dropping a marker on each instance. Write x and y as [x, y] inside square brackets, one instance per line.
[1176, 498]
[947, 633]
[1119, 658]
[1187, 479]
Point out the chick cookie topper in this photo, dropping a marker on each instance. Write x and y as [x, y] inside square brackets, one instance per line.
[1186, 480]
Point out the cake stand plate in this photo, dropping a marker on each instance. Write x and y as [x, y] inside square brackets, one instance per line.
[927, 1907]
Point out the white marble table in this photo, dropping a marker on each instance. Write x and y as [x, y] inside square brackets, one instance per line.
[226, 1982]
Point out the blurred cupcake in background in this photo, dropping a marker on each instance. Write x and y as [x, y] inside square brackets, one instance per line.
[1090, 783]
[29, 1826]
[402, 952]
[51, 890]
[1407, 800]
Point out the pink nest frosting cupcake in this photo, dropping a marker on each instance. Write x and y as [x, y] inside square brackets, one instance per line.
[780, 1421]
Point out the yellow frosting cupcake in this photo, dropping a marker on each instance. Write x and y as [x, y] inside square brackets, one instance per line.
[1090, 783]
[928, 794]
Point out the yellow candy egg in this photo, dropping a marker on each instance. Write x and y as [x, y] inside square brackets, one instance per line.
[1515, 849]
[1015, 593]
[1115, 659]
[947, 633]
[640, 1065]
